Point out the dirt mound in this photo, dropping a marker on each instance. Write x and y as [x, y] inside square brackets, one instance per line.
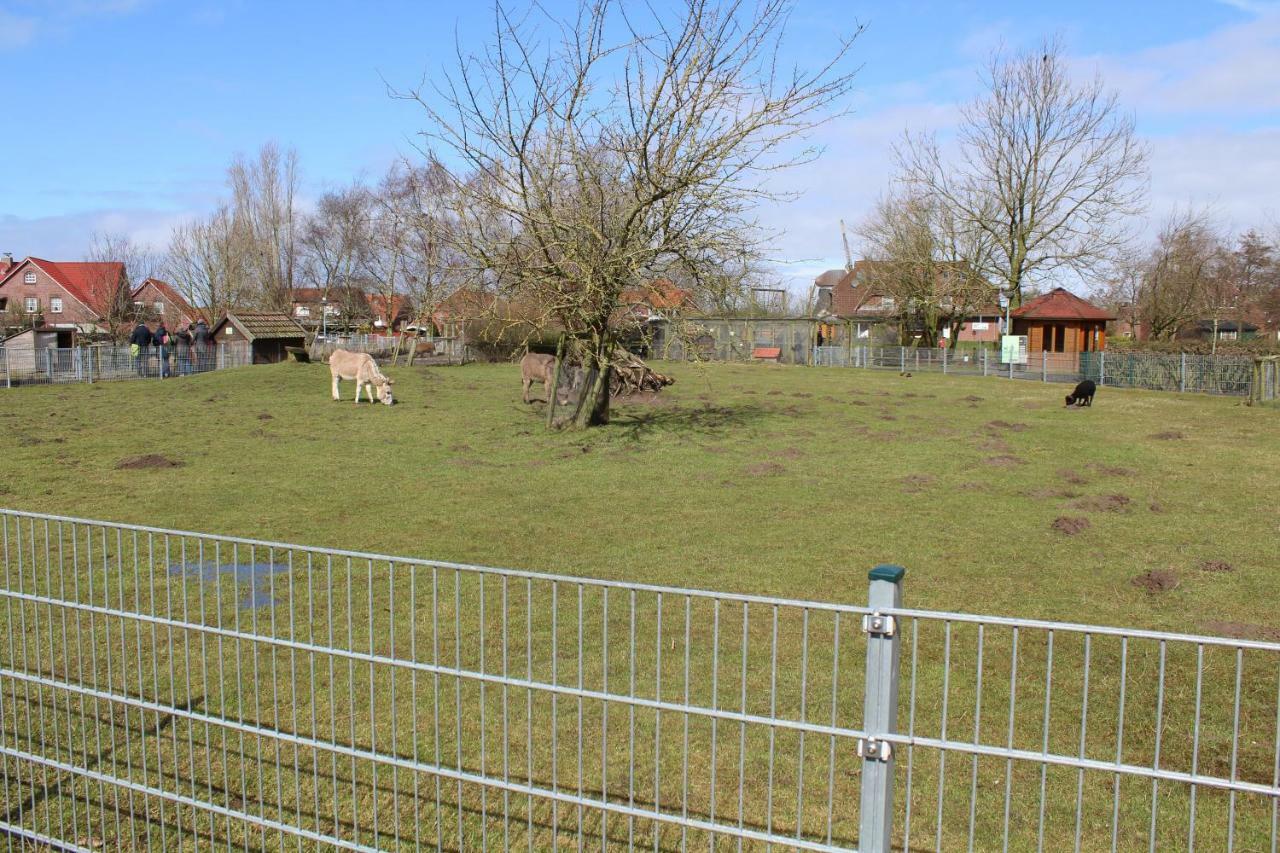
[1102, 503]
[1072, 477]
[150, 460]
[1014, 427]
[764, 469]
[790, 453]
[1156, 580]
[265, 417]
[1070, 526]
[1216, 566]
[858, 403]
[972, 398]
[1168, 435]
[774, 393]
[916, 482]
[1157, 507]
[1242, 631]
[888, 417]
[1004, 460]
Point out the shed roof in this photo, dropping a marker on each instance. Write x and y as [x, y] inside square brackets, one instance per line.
[258, 325]
[1061, 304]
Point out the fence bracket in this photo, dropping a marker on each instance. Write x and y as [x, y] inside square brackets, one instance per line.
[879, 625]
[871, 749]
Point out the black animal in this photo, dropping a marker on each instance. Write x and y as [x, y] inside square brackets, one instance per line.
[1083, 395]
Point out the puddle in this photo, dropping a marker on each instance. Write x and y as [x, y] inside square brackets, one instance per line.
[254, 579]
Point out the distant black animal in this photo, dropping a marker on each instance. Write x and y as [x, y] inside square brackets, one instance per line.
[1083, 395]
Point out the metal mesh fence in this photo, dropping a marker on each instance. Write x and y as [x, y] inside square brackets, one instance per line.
[1228, 375]
[47, 366]
[167, 689]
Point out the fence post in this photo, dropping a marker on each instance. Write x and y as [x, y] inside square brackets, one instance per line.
[1102, 367]
[79, 365]
[48, 362]
[8, 381]
[902, 356]
[1044, 365]
[944, 362]
[1182, 374]
[984, 361]
[879, 710]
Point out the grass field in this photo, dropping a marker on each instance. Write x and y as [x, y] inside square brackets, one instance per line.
[785, 481]
[781, 481]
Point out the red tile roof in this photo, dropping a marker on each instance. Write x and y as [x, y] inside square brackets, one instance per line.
[1061, 304]
[660, 294]
[94, 283]
[172, 296]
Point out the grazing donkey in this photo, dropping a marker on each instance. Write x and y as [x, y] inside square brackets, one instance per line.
[537, 367]
[361, 367]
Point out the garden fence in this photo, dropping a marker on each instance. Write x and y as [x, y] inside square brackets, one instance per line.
[1186, 372]
[47, 366]
[165, 689]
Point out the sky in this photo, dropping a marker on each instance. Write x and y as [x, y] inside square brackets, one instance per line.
[121, 115]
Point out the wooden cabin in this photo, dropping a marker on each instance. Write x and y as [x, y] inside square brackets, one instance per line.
[268, 334]
[1060, 321]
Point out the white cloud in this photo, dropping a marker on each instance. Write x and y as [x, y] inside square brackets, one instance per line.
[15, 30]
[67, 237]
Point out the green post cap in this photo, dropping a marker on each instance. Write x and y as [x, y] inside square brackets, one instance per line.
[887, 572]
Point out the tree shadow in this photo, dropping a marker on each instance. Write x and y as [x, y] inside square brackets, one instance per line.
[706, 420]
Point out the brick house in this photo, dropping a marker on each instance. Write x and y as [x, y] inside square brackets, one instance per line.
[80, 295]
[158, 300]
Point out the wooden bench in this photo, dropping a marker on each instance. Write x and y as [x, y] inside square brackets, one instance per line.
[773, 354]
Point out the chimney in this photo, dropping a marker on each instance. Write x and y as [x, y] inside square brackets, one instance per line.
[6, 262]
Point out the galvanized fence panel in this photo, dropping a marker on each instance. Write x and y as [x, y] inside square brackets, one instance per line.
[1206, 374]
[101, 363]
[170, 689]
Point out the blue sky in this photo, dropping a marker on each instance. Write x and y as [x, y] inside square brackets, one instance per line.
[121, 115]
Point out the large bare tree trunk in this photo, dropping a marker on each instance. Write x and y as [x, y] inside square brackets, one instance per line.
[593, 407]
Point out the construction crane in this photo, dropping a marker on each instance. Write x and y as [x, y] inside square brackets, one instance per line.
[848, 255]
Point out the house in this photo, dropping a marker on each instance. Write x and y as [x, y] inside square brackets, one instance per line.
[158, 300]
[388, 313]
[34, 352]
[1060, 321]
[983, 325]
[312, 304]
[1225, 330]
[79, 295]
[268, 334]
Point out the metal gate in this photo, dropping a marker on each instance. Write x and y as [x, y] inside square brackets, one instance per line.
[162, 689]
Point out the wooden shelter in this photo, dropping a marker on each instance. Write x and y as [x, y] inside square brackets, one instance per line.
[1060, 321]
[269, 334]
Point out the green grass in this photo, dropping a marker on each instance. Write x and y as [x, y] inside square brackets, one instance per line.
[784, 481]
[781, 481]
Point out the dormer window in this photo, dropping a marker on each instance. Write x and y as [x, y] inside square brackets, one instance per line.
[30, 277]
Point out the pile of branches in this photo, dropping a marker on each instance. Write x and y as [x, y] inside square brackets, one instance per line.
[631, 375]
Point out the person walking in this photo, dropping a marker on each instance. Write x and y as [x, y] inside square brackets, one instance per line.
[139, 347]
[163, 341]
[182, 350]
[202, 343]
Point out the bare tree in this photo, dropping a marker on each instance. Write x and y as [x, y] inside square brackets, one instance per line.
[140, 263]
[1047, 167]
[333, 245]
[929, 259]
[433, 268]
[263, 204]
[1180, 277]
[606, 151]
[209, 261]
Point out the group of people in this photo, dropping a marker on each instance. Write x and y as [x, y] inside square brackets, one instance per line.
[191, 349]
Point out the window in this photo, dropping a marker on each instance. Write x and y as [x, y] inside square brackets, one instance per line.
[979, 326]
[301, 311]
[30, 277]
[31, 305]
[159, 306]
[55, 305]
[137, 308]
[230, 331]
[946, 332]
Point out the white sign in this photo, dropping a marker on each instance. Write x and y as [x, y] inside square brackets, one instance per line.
[1013, 349]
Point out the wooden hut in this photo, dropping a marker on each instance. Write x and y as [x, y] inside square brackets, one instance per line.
[269, 335]
[1060, 321]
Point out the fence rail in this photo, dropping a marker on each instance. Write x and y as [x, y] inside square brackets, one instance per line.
[1185, 372]
[49, 365]
[161, 688]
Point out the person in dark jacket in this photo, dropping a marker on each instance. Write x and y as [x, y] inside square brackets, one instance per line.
[202, 343]
[139, 347]
[182, 350]
[162, 340]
